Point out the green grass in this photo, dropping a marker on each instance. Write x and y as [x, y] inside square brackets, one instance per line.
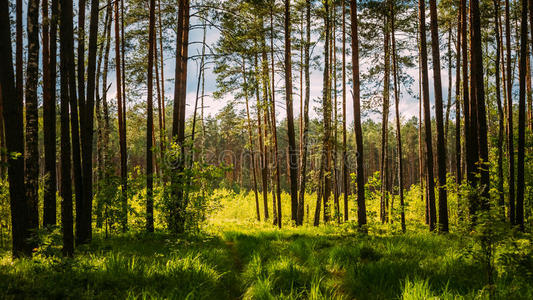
[236, 257]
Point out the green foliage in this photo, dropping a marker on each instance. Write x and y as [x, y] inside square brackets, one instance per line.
[5, 213]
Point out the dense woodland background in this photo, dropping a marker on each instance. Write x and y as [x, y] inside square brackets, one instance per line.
[98, 139]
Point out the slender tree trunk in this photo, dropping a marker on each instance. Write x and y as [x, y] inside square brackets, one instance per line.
[273, 116]
[49, 111]
[84, 234]
[441, 140]
[161, 57]
[361, 206]
[398, 123]
[19, 52]
[81, 71]
[421, 155]
[104, 134]
[326, 104]
[427, 117]
[262, 148]
[159, 104]
[477, 79]
[335, 118]
[100, 147]
[345, 171]
[121, 124]
[178, 126]
[32, 115]
[68, 91]
[14, 129]
[250, 139]
[304, 141]
[449, 102]
[510, 136]
[522, 118]
[384, 164]
[293, 153]
[458, 174]
[150, 122]
[501, 200]
[530, 92]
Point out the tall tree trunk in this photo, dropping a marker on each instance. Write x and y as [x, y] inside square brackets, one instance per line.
[68, 91]
[427, 117]
[293, 153]
[361, 206]
[84, 234]
[178, 126]
[501, 201]
[14, 129]
[509, 100]
[530, 92]
[81, 70]
[441, 140]
[19, 52]
[421, 155]
[104, 134]
[479, 100]
[384, 164]
[335, 118]
[326, 107]
[150, 122]
[32, 115]
[305, 142]
[49, 111]
[398, 123]
[263, 156]
[458, 174]
[345, 170]
[522, 118]
[121, 129]
[449, 102]
[101, 113]
[161, 57]
[250, 139]
[273, 116]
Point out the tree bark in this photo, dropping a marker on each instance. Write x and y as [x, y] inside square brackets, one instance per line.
[441, 140]
[398, 123]
[510, 135]
[501, 200]
[427, 117]
[360, 178]
[345, 171]
[32, 115]
[384, 163]
[293, 153]
[121, 124]
[305, 135]
[477, 79]
[150, 122]
[68, 91]
[522, 118]
[458, 174]
[273, 117]
[250, 139]
[49, 111]
[13, 121]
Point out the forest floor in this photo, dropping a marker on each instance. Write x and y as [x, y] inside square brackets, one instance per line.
[257, 261]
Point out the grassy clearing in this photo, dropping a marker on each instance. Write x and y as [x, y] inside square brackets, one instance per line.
[258, 262]
[235, 257]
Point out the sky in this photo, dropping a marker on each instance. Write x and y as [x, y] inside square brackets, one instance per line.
[408, 103]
